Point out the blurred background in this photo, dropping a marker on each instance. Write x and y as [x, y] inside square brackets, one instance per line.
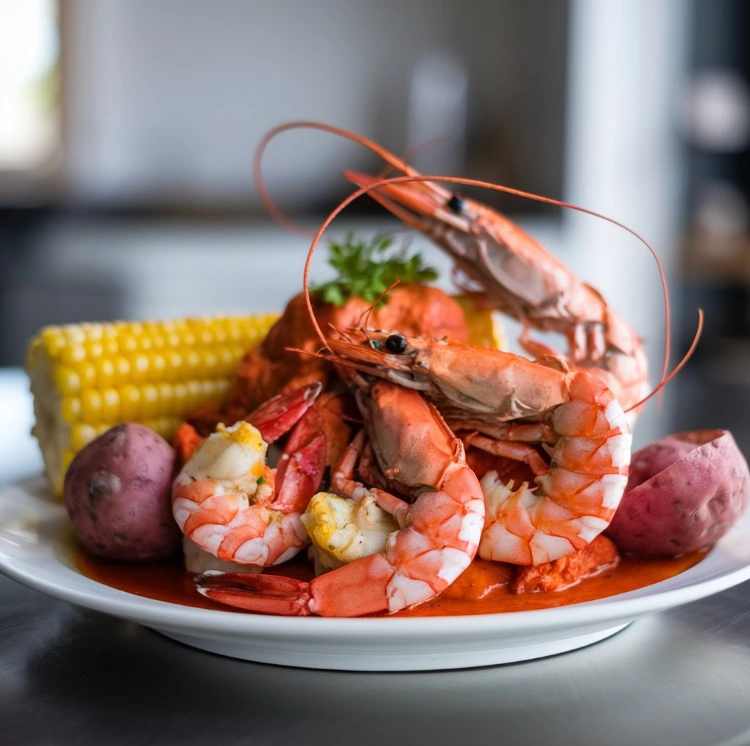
[127, 132]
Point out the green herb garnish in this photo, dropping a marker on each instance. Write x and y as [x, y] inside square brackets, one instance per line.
[366, 269]
[260, 480]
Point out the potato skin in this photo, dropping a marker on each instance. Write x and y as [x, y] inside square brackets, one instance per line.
[118, 494]
[684, 493]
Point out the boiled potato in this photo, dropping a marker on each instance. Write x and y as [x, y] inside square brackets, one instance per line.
[118, 494]
[684, 493]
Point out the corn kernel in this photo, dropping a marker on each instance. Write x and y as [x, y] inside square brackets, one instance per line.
[210, 363]
[67, 380]
[122, 369]
[111, 348]
[105, 372]
[73, 354]
[128, 343]
[175, 365]
[92, 332]
[210, 390]
[158, 366]
[111, 410]
[139, 367]
[166, 398]
[149, 400]
[234, 333]
[82, 435]
[180, 391]
[70, 409]
[227, 361]
[172, 339]
[91, 407]
[130, 403]
[87, 373]
[53, 341]
[93, 349]
[74, 334]
[192, 360]
[195, 394]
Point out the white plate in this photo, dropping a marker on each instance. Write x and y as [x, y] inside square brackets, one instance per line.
[34, 549]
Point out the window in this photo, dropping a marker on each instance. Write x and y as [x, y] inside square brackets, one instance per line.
[29, 86]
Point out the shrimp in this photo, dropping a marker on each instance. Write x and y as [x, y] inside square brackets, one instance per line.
[438, 534]
[565, 425]
[231, 504]
[512, 272]
[519, 277]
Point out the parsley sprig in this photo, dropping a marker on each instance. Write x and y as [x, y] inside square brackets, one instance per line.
[366, 269]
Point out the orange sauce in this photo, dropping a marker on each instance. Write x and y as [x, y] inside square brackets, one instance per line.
[482, 589]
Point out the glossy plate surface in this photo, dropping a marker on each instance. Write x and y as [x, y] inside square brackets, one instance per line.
[35, 541]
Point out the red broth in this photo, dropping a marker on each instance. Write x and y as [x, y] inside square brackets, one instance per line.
[482, 589]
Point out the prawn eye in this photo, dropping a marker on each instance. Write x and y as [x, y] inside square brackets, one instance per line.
[396, 344]
[456, 204]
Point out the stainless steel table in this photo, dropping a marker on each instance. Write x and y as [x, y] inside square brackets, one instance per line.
[69, 676]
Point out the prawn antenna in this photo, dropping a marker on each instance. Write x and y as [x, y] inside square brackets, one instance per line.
[329, 356]
[413, 177]
[308, 353]
[678, 367]
[393, 162]
[368, 312]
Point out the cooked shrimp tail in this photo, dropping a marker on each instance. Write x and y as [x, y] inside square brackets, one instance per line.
[230, 503]
[440, 531]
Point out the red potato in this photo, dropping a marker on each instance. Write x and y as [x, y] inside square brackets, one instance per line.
[118, 494]
[684, 493]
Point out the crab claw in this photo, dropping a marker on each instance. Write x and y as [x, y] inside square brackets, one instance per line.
[422, 205]
[263, 594]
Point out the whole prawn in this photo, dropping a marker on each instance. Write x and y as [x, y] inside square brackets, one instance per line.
[566, 425]
[513, 272]
[439, 532]
[231, 504]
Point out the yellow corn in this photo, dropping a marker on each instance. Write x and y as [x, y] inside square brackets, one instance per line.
[85, 378]
[485, 326]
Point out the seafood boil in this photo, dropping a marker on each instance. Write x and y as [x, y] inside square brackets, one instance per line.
[374, 449]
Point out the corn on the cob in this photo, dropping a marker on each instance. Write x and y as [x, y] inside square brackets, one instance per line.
[485, 325]
[85, 378]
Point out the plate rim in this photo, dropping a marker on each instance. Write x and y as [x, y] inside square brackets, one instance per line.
[153, 612]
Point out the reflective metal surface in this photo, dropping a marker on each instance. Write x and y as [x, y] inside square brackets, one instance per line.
[69, 676]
